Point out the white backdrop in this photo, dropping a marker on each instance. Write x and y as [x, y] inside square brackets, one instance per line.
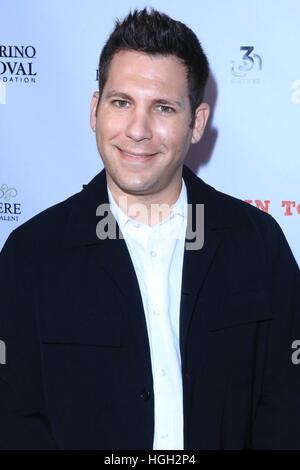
[48, 59]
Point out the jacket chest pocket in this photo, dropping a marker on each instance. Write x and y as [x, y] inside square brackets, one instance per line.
[82, 351]
[237, 337]
[83, 316]
[241, 308]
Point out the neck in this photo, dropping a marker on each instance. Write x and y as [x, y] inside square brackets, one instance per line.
[150, 209]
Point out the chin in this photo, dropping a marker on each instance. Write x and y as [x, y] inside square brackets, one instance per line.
[141, 187]
[135, 189]
[134, 182]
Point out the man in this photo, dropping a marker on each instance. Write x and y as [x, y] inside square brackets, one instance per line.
[131, 339]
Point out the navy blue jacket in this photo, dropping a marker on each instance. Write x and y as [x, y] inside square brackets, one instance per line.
[78, 370]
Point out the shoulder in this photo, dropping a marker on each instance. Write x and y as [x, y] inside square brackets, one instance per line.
[246, 226]
[224, 210]
[44, 226]
[48, 228]
[252, 239]
[44, 234]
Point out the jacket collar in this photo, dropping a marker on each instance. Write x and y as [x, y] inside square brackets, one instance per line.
[82, 222]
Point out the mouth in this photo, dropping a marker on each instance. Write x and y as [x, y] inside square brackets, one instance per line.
[140, 157]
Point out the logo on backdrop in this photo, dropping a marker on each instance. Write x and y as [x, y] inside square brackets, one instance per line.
[247, 67]
[289, 207]
[17, 64]
[10, 209]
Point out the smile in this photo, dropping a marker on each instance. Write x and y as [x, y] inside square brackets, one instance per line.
[136, 157]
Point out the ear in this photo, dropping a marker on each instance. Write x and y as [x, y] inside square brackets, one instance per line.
[93, 116]
[201, 118]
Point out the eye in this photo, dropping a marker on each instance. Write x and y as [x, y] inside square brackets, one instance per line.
[166, 109]
[122, 104]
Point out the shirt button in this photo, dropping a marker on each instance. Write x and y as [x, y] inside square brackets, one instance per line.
[164, 436]
[156, 312]
[162, 372]
[153, 254]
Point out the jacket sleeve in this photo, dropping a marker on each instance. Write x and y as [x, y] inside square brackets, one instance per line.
[277, 420]
[23, 418]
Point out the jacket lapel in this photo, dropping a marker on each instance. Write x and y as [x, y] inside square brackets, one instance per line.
[110, 254]
[197, 263]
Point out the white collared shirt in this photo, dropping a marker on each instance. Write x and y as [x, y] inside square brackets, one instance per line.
[157, 255]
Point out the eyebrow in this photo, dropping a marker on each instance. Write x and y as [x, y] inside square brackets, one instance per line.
[163, 101]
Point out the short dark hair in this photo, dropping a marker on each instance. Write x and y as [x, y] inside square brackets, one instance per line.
[156, 33]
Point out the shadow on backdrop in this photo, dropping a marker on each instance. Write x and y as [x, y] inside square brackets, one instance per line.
[200, 154]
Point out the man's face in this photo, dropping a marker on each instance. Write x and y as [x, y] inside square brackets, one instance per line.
[143, 124]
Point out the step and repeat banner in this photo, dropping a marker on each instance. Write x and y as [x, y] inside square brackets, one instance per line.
[48, 70]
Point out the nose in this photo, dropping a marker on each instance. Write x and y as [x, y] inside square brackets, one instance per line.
[139, 127]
